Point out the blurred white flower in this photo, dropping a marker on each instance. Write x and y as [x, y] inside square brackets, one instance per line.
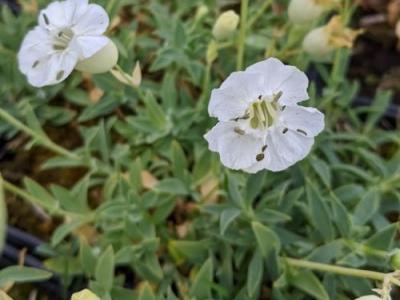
[260, 124]
[69, 32]
[307, 11]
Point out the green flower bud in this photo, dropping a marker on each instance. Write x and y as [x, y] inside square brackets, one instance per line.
[85, 295]
[225, 25]
[395, 259]
[101, 62]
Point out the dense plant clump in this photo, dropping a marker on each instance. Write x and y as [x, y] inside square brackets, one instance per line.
[191, 169]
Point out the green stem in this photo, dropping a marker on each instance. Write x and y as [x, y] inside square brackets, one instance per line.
[259, 12]
[335, 269]
[41, 139]
[21, 193]
[242, 34]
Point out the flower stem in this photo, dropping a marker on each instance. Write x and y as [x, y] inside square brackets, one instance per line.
[335, 269]
[242, 34]
[259, 13]
[40, 138]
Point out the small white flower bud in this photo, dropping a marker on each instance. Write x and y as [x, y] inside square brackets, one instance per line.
[316, 44]
[101, 62]
[225, 25]
[201, 11]
[304, 11]
[85, 295]
[307, 11]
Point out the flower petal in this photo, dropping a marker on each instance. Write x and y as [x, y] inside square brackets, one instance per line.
[237, 151]
[53, 69]
[61, 14]
[35, 47]
[284, 149]
[306, 120]
[282, 78]
[231, 100]
[87, 46]
[93, 22]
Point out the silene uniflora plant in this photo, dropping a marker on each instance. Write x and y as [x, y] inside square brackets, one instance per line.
[185, 161]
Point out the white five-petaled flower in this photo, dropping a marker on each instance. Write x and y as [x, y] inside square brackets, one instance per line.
[69, 33]
[260, 124]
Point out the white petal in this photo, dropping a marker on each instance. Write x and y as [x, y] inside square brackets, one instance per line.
[282, 78]
[35, 47]
[283, 150]
[87, 46]
[231, 100]
[53, 69]
[236, 151]
[306, 120]
[61, 14]
[93, 22]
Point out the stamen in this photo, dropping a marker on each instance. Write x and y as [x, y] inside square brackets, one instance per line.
[264, 148]
[285, 130]
[239, 131]
[46, 19]
[35, 64]
[301, 131]
[60, 75]
[260, 157]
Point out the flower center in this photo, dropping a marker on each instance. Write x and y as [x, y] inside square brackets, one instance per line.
[263, 112]
[62, 39]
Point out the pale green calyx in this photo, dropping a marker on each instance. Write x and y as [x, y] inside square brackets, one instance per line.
[101, 62]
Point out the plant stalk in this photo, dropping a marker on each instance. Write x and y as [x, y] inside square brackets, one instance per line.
[242, 34]
[335, 269]
[43, 140]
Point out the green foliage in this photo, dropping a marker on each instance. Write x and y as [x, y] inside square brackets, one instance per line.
[156, 202]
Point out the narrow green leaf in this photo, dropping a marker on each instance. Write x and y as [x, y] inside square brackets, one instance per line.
[86, 257]
[267, 240]
[41, 194]
[307, 282]
[201, 287]
[19, 274]
[255, 274]
[319, 212]
[227, 217]
[64, 230]
[323, 170]
[367, 207]
[172, 186]
[104, 272]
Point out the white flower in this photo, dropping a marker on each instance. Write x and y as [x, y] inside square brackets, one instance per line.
[69, 32]
[260, 124]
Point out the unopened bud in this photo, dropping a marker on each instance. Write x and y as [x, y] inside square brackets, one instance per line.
[225, 25]
[321, 42]
[212, 51]
[304, 11]
[85, 295]
[201, 11]
[395, 259]
[101, 62]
